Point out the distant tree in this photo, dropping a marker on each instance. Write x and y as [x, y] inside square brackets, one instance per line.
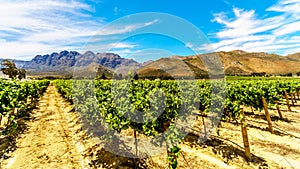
[21, 74]
[258, 73]
[103, 76]
[9, 68]
[135, 76]
[118, 76]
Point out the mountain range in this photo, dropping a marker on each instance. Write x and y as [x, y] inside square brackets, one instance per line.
[64, 63]
[235, 62]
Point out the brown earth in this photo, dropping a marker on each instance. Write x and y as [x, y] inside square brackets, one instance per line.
[49, 142]
[224, 149]
[235, 62]
[55, 139]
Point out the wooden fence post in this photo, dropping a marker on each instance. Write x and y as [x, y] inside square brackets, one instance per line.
[267, 115]
[252, 110]
[166, 126]
[205, 132]
[294, 96]
[136, 150]
[278, 109]
[292, 99]
[245, 135]
[287, 101]
[13, 111]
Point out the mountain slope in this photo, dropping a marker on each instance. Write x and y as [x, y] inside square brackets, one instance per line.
[64, 63]
[173, 67]
[231, 63]
[294, 57]
[235, 62]
[258, 62]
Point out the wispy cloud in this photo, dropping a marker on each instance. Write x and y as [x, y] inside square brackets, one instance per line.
[35, 27]
[123, 45]
[287, 6]
[31, 27]
[117, 10]
[249, 32]
[203, 48]
[121, 28]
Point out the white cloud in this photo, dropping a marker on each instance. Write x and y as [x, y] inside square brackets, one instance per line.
[203, 48]
[122, 52]
[24, 49]
[123, 45]
[43, 26]
[121, 48]
[117, 10]
[33, 27]
[240, 40]
[37, 14]
[123, 28]
[288, 28]
[233, 28]
[245, 23]
[189, 45]
[288, 6]
[247, 31]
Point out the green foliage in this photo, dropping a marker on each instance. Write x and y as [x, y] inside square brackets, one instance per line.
[135, 76]
[9, 68]
[119, 104]
[21, 74]
[173, 156]
[14, 94]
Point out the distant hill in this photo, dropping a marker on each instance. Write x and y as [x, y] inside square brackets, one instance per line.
[294, 57]
[235, 62]
[245, 63]
[172, 67]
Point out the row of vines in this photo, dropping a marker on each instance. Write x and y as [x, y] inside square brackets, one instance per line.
[151, 108]
[16, 98]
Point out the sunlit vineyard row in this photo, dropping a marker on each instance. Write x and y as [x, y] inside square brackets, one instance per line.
[16, 97]
[150, 107]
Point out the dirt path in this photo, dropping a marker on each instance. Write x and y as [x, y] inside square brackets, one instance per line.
[49, 141]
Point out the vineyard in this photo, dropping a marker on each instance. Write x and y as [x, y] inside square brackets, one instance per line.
[17, 98]
[222, 123]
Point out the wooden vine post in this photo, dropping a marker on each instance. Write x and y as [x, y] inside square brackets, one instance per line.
[278, 109]
[267, 115]
[166, 126]
[15, 111]
[136, 149]
[136, 143]
[294, 96]
[245, 135]
[287, 101]
[292, 99]
[252, 110]
[203, 122]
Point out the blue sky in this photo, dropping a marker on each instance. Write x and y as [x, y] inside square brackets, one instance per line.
[28, 28]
